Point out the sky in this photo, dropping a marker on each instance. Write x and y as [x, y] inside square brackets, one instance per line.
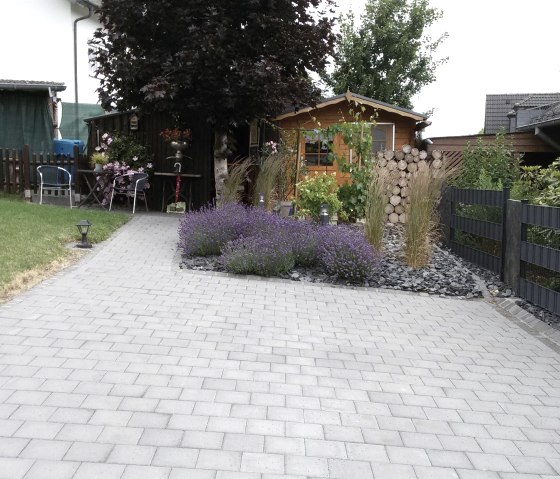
[494, 46]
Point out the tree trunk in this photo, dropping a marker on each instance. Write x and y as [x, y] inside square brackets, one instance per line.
[220, 162]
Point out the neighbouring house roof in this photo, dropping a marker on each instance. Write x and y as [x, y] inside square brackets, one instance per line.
[498, 106]
[544, 116]
[363, 100]
[31, 85]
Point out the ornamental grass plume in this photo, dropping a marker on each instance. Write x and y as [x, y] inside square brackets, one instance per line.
[376, 201]
[267, 180]
[233, 184]
[425, 190]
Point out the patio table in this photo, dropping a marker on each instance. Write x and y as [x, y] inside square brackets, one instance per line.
[94, 195]
[186, 187]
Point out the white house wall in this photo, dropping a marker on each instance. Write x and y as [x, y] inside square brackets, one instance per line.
[37, 43]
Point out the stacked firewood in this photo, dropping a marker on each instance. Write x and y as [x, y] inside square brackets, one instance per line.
[400, 165]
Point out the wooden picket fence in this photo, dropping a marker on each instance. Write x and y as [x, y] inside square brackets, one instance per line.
[18, 169]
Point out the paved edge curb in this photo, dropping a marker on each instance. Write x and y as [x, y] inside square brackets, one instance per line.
[528, 322]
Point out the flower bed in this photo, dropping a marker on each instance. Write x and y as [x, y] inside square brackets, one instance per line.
[253, 241]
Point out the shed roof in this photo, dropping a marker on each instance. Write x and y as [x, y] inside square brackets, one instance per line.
[31, 85]
[363, 100]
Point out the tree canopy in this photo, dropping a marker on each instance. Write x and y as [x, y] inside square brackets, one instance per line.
[226, 60]
[389, 56]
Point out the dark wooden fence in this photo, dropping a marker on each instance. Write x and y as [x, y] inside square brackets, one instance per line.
[516, 254]
[539, 255]
[455, 199]
[18, 169]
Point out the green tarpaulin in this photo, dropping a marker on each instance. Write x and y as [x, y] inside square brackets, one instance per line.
[25, 119]
[69, 124]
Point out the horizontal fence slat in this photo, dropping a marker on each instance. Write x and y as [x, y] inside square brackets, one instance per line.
[481, 258]
[545, 216]
[487, 229]
[540, 255]
[477, 197]
[539, 295]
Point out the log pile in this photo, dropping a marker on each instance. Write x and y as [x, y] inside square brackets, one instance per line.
[400, 165]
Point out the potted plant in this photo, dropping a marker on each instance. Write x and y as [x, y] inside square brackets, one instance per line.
[98, 160]
[178, 139]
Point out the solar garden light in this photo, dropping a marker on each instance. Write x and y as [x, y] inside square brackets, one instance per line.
[324, 214]
[83, 228]
[261, 200]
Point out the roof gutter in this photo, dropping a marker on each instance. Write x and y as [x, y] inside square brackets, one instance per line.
[31, 87]
[547, 139]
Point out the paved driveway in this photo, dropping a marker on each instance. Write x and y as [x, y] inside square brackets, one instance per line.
[125, 367]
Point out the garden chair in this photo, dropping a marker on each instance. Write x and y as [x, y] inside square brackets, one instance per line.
[54, 178]
[133, 188]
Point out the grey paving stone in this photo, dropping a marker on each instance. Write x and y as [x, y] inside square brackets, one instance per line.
[207, 375]
[262, 463]
[56, 469]
[219, 460]
[175, 457]
[12, 468]
[95, 471]
[243, 442]
[131, 454]
[145, 472]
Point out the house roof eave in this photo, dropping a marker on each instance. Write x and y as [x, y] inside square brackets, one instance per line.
[25, 85]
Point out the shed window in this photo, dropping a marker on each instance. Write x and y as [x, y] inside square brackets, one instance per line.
[382, 137]
[318, 145]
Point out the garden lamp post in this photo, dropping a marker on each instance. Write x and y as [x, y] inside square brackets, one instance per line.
[83, 228]
[324, 214]
[261, 200]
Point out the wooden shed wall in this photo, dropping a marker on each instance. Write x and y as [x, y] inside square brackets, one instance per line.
[332, 114]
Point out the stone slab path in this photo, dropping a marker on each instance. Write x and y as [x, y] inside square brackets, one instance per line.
[126, 367]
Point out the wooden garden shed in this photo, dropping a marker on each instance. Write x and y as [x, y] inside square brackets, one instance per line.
[392, 127]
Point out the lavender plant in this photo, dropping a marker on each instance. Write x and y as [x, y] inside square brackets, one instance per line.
[253, 241]
[263, 255]
[206, 231]
[345, 252]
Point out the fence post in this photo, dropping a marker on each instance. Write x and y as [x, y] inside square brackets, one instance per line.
[451, 210]
[76, 173]
[505, 200]
[26, 172]
[444, 212]
[512, 231]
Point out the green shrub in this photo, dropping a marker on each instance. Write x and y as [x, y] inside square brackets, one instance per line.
[497, 160]
[315, 191]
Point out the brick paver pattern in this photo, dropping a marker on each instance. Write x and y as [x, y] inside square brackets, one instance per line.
[127, 367]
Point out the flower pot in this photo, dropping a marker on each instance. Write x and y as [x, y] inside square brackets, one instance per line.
[98, 168]
[286, 207]
[179, 147]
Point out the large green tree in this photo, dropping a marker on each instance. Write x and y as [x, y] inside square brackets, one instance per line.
[228, 61]
[388, 56]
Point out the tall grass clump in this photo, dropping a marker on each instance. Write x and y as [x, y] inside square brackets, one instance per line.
[267, 180]
[425, 190]
[376, 201]
[233, 184]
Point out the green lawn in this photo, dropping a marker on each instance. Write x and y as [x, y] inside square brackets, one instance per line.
[33, 236]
